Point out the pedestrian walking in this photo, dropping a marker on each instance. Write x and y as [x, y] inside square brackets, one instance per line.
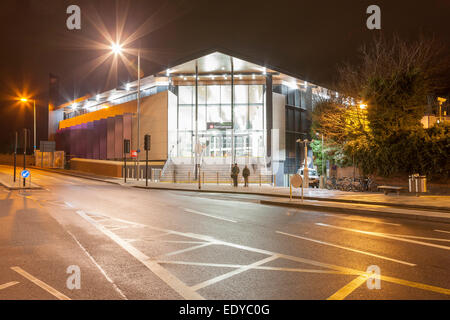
[246, 175]
[234, 174]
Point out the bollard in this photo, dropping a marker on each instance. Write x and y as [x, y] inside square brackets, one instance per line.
[217, 173]
[189, 177]
[260, 179]
[203, 177]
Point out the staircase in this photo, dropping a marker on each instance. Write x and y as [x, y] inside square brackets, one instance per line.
[179, 170]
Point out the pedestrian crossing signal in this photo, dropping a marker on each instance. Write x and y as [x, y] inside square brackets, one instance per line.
[147, 142]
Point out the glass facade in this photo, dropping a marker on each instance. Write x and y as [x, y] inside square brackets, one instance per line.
[217, 120]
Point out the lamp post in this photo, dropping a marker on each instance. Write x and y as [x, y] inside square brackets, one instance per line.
[116, 48]
[34, 121]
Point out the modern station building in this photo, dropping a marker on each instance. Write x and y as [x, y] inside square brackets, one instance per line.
[212, 110]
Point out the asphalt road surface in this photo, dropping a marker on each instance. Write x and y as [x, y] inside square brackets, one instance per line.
[130, 243]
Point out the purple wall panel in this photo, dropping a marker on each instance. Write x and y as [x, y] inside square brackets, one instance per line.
[118, 134]
[95, 140]
[76, 141]
[58, 139]
[110, 138]
[102, 133]
[127, 126]
[84, 139]
[70, 139]
[90, 137]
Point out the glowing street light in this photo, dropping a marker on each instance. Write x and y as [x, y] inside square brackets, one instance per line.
[116, 48]
[362, 106]
[25, 100]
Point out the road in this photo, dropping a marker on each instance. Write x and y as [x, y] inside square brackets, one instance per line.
[132, 243]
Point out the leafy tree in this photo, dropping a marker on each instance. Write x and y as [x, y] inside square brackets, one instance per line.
[393, 80]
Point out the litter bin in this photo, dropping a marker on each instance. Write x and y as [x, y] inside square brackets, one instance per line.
[417, 183]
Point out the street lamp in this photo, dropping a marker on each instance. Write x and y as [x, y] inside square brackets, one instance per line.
[116, 48]
[34, 112]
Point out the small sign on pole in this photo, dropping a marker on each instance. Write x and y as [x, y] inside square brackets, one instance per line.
[134, 153]
[25, 174]
[296, 181]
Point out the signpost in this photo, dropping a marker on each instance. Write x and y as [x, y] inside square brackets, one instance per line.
[126, 150]
[147, 145]
[25, 174]
[296, 182]
[15, 156]
[24, 152]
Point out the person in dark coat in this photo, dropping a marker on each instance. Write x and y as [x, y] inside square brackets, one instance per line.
[246, 174]
[234, 174]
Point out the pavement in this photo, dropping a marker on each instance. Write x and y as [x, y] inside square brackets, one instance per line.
[132, 243]
[7, 180]
[425, 207]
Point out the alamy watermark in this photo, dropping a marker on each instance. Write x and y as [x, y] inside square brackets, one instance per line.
[374, 281]
[73, 22]
[74, 280]
[374, 20]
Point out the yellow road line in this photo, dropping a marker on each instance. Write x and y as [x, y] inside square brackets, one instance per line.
[41, 284]
[416, 285]
[9, 284]
[342, 293]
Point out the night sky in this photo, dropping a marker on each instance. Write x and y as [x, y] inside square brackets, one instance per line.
[306, 38]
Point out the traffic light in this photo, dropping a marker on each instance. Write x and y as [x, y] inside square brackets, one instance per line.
[147, 142]
[126, 146]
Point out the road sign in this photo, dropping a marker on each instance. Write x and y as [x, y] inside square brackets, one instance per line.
[126, 146]
[134, 153]
[296, 181]
[47, 146]
[147, 142]
[25, 174]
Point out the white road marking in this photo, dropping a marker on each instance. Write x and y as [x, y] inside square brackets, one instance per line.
[236, 266]
[387, 236]
[187, 249]
[417, 237]
[346, 248]
[8, 284]
[442, 231]
[176, 284]
[343, 270]
[41, 284]
[208, 215]
[98, 266]
[233, 273]
[361, 219]
[69, 204]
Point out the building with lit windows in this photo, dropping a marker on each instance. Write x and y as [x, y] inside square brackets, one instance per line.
[212, 111]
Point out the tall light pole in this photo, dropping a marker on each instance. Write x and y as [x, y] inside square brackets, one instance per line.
[116, 48]
[34, 121]
[138, 113]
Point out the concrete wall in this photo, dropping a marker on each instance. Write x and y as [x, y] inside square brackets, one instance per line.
[154, 121]
[97, 167]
